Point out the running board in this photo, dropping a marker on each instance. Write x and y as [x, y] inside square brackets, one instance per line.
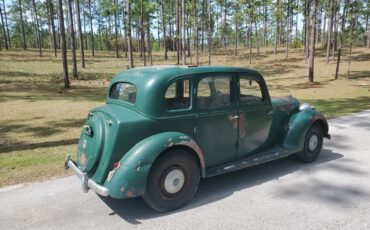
[263, 157]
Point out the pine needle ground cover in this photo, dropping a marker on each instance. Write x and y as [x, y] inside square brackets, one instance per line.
[40, 121]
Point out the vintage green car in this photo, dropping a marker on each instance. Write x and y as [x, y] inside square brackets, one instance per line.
[164, 127]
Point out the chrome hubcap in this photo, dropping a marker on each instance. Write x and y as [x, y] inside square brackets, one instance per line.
[174, 181]
[312, 143]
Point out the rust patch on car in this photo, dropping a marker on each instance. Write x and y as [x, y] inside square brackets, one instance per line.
[193, 145]
[242, 125]
[316, 117]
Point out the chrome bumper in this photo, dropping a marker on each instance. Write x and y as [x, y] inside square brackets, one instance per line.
[86, 182]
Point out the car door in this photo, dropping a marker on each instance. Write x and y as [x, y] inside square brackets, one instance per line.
[255, 114]
[216, 124]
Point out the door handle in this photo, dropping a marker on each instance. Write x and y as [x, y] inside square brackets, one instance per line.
[232, 117]
[269, 112]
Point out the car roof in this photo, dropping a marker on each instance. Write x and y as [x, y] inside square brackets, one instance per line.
[168, 73]
[152, 82]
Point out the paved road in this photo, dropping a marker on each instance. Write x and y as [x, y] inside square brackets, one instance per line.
[333, 192]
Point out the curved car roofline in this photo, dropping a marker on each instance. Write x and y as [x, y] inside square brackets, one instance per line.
[170, 72]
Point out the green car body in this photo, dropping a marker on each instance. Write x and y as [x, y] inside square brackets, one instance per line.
[222, 127]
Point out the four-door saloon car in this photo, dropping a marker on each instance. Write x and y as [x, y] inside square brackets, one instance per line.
[163, 128]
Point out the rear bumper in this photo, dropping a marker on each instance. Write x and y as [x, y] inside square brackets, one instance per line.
[86, 182]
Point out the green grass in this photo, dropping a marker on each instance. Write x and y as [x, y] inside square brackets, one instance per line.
[40, 121]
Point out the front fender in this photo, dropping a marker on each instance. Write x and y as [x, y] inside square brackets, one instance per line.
[299, 124]
[130, 179]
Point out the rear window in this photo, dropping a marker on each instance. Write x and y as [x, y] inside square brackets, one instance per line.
[123, 91]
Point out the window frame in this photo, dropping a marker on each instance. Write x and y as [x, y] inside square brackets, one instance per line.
[258, 79]
[120, 100]
[233, 99]
[182, 78]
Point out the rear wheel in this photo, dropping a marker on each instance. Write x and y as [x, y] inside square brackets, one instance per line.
[312, 145]
[173, 181]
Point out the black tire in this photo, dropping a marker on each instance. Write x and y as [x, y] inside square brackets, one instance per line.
[175, 161]
[309, 153]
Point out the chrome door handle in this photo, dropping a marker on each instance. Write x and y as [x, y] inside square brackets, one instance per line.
[232, 117]
[269, 112]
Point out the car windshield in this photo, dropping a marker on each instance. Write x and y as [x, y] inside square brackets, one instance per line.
[123, 91]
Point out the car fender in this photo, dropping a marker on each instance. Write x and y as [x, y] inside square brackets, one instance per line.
[299, 124]
[130, 178]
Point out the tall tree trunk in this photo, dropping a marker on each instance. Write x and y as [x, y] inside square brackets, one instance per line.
[276, 28]
[341, 38]
[115, 28]
[265, 23]
[178, 50]
[335, 26]
[73, 40]
[367, 24]
[148, 38]
[183, 32]
[129, 43]
[307, 29]
[142, 30]
[196, 34]
[6, 26]
[22, 25]
[86, 47]
[236, 38]
[350, 45]
[64, 46]
[51, 18]
[124, 27]
[202, 24]
[323, 38]
[287, 34]
[91, 31]
[4, 30]
[312, 41]
[164, 30]
[224, 32]
[250, 39]
[257, 39]
[209, 32]
[80, 33]
[38, 33]
[330, 29]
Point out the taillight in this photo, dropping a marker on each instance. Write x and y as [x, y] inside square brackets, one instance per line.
[116, 165]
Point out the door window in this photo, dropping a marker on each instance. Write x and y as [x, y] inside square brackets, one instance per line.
[214, 92]
[250, 91]
[178, 95]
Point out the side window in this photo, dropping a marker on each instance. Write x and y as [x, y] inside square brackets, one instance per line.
[214, 92]
[178, 95]
[250, 91]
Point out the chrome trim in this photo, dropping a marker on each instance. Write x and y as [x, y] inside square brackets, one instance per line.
[305, 106]
[86, 182]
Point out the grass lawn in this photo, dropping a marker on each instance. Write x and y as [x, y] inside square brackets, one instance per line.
[40, 121]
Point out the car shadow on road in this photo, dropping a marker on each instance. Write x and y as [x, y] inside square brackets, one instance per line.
[219, 187]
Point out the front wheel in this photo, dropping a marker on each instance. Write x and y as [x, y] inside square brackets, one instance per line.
[173, 181]
[312, 145]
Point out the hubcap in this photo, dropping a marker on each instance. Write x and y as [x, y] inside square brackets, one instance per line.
[174, 181]
[312, 143]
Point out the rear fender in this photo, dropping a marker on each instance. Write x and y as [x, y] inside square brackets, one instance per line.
[299, 124]
[130, 178]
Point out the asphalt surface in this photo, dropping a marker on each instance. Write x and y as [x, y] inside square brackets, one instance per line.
[331, 193]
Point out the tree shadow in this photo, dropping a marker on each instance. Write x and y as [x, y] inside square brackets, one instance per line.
[220, 187]
[336, 107]
[359, 74]
[41, 131]
[52, 92]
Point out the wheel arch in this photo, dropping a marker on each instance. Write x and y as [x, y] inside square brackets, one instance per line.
[130, 179]
[300, 123]
[198, 156]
